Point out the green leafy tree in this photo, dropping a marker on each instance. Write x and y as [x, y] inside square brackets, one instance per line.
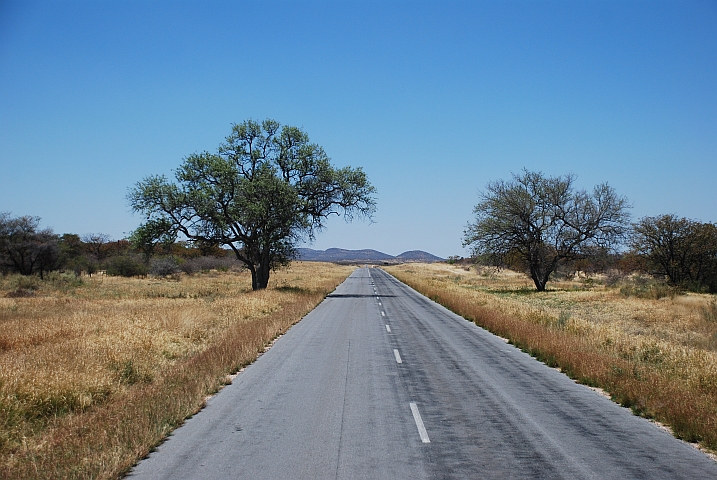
[151, 234]
[126, 266]
[267, 188]
[683, 250]
[72, 255]
[543, 221]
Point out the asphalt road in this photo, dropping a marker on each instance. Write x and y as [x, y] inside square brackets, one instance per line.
[380, 382]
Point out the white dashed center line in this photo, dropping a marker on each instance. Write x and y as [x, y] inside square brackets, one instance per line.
[419, 423]
[414, 408]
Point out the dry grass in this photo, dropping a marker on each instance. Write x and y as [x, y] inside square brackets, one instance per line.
[95, 373]
[656, 356]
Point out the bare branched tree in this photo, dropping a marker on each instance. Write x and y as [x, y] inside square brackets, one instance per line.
[544, 221]
[95, 244]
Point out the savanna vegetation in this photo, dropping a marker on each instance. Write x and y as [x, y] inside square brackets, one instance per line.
[545, 227]
[96, 370]
[651, 345]
[29, 250]
[106, 346]
[543, 222]
[629, 310]
[266, 189]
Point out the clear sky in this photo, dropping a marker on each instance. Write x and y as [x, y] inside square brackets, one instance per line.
[432, 99]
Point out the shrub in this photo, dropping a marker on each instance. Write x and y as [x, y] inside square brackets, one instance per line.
[650, 289]
[19, 286]
[126, 266]
[82, 264]
[163, 266]
[63, 280]
[23, 282]
[205, 264]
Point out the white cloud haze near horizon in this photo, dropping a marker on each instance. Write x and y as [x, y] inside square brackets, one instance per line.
[432, 99]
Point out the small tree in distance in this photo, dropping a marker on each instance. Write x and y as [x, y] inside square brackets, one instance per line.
[544, 221]
[683, 250]
[96, 244]
[24, 248]
[265, 189]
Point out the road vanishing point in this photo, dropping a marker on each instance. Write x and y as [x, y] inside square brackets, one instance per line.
[380, 382]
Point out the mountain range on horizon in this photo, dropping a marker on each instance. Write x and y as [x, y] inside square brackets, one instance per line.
[365, 255]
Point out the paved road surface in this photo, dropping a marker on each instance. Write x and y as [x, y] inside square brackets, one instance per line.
[380, 382]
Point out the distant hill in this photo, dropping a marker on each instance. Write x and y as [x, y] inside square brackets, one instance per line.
[364, 256]
[418, 256]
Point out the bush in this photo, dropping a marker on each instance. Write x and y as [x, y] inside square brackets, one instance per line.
[82, 264]
[63, 280]
[649, 289]
[126, 266]
[205, 264]
[24, 282]
[163, 266]
[20, 286]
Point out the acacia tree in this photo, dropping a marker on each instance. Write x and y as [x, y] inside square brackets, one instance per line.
[95, 244]
[265, 189]
[544, 221]
[24, 248]
[152, 233]
[683, 250]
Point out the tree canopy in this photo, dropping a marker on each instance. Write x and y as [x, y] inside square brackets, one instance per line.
[544, 221]
[265, 189]
[24, 248]
[683, 250]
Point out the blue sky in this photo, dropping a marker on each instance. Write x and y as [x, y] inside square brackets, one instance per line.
[432, 99]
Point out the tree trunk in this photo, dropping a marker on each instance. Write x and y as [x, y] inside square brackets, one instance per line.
[538, 280]
[263, 271]
[260, 273]
[262, 280]
[540, 273]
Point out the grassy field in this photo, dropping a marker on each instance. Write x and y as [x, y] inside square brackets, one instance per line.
[657, 356]
[95, 371]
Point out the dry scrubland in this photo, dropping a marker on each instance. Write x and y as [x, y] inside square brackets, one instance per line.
[93, 373]
[656, 356]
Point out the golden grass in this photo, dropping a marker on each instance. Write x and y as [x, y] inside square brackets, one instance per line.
[93, 375]
[658, 357]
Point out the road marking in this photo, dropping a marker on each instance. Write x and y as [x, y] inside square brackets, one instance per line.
[388, 329]
[383, 314]
[397, 355]
[419, 423]
[379, 303]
